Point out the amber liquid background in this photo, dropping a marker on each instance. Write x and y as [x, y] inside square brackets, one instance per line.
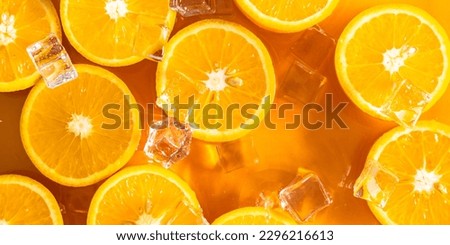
[336, 155]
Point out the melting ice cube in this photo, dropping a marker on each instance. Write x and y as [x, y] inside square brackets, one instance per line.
[302, 84]
[304, 196]
[406, 104]
[168, 141]
[189, 8]
[237, 154]
[52, 61]
[375, 184]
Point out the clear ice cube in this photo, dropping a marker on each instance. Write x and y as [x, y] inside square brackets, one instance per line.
[52, 61]
[375, 184]
[302, 84]
[406, 104]
[237, 154]
[189, 8]
[168, 141]
[304, 196]
[314, 48]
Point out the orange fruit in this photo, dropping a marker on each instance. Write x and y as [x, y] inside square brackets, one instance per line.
[24, 201]
[145, 194]
[117, 32]
[23, 23]
[407, 175]
[80, 133]
[286, 16]
[393, 61]
[222, 68]
[254, 216]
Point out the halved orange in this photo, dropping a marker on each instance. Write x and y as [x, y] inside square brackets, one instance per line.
[220, 78]
[21, 24]
[117, 32]
[80, 132]
[407, 175]
[145, 195]
[24, 201]
[393, 62]
[255, 216]
[286, 16]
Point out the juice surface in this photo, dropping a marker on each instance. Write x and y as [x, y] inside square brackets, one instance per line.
[337, 155]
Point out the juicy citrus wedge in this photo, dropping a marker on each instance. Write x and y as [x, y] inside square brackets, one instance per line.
[286, 16]
[24, 201]
[222, 73]
[254, 216]
[80, 133]
[145, 194]
[117, 32]
[21, 24]
[407, 175]
[393, 61]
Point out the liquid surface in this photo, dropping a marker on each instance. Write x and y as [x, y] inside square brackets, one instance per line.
[336, 155]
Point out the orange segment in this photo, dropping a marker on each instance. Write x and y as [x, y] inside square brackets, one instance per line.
[393, 61]
[21, 24]
[216, 66]
[24, 201]
[117, 32]
[411, 183]
[145, 194]
[285, 15]
[79, 133]
[254, 216]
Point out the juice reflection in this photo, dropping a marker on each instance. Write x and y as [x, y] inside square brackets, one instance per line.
[336, 155]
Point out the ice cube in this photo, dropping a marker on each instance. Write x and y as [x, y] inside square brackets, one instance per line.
[237, 154]
[406, 104]
[314, 48]
[304, 196]
[52, 61]
[268, 199]
[189, 8]
[302, 84]
[168, 141]
[375, 184]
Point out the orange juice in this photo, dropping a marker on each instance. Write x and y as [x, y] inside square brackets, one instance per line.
[337, 155]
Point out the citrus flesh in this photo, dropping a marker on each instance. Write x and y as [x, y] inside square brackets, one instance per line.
[222, 73]
[286, 16]
[23, 23]
[393, 61]
[145, 195]
[80, 133]
[412, 177]
[24, 201]
[254, 216]
[117, 32]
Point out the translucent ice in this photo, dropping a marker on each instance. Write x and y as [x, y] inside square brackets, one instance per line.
[304, 196]
[314, 48]
[189, 8]
[375, 184]
[406, 104]
[302, 84]
[168, 141]
[52, 61]
[237, 154]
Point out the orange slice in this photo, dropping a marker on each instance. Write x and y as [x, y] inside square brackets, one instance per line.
[79, 133]
[117, 32]
[393, 61]
[24, 201]
[254, 216]
[286, 16]
[145, 194]
[407, 175]
[224, 70]
[21, 24]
